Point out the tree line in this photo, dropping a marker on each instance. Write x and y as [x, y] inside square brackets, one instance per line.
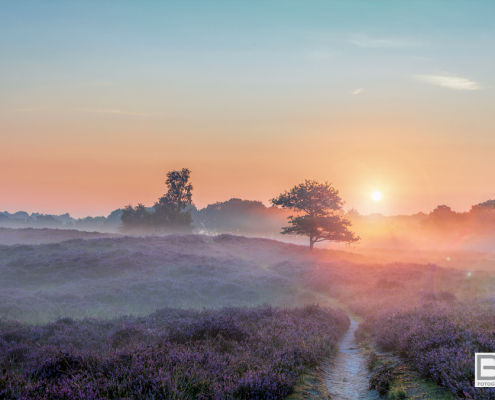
[169, 213]
[317, 205]
[480, 219]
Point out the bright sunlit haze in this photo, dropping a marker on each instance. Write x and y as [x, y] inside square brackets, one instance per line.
[376, 195]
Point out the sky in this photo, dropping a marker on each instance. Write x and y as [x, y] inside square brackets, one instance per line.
[99, 100]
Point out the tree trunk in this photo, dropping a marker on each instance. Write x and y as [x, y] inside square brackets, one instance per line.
[311, 243]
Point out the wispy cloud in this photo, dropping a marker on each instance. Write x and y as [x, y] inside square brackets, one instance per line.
[449, 81]
[366, 41]
[111, 111]
[357, 91]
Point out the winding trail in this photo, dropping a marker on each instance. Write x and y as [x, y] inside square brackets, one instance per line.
[346, 376]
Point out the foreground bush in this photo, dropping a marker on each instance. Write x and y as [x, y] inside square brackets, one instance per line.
[230, 353]
[381, 378]
[441, 341]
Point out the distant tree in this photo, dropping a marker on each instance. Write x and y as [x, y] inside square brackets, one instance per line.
[136, 219]
[352, 213]
[237, 216]
[487, 206]
[320, 203]
[482, 215]
[444, 219]
[4, 219]
[47, 221]
[90, 223]
[170, 209]
[114, 216]
[442, 212]
[113, 221]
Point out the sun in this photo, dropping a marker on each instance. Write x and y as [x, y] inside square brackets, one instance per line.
[376, 195]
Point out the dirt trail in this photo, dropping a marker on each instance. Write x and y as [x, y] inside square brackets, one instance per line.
[346, 376]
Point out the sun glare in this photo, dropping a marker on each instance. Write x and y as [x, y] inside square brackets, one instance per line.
[376, 195]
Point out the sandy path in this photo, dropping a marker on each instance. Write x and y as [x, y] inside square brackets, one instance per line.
[346, 376]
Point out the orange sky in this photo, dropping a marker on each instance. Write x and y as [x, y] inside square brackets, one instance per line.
[96, 172]
[95, 111]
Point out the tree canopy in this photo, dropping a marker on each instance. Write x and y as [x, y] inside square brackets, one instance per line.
[319, 204]
[237, 216]
[169, 211]
[136, 218]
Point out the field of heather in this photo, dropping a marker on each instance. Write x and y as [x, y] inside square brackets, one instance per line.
[439, 338]
[170, 354]
[10, 236]
[193, 316]
[109, 277]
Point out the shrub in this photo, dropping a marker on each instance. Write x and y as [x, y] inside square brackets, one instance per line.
[447, 296]
[372, 361]
[396, 393]
[59, 366]
[209, 327]
[125, 336]
[381, 378]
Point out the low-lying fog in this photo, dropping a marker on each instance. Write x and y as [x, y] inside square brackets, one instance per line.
[92, 274]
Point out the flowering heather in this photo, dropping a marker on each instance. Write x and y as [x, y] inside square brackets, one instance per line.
[109, 277]
[55, 285]
[440, 340]
[231, 353]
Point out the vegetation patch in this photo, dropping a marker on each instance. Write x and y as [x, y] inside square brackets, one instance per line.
[440, 340]
[382, 377]
[373, 361]
[396, 391]
[231, 353]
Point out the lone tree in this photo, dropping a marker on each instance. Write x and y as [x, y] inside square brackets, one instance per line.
[169, 212]
[319, 202]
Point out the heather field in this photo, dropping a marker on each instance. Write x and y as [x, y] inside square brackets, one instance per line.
[170, 354]
[439, 338]
[193, 316]
[109, 277]
[10, 236]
